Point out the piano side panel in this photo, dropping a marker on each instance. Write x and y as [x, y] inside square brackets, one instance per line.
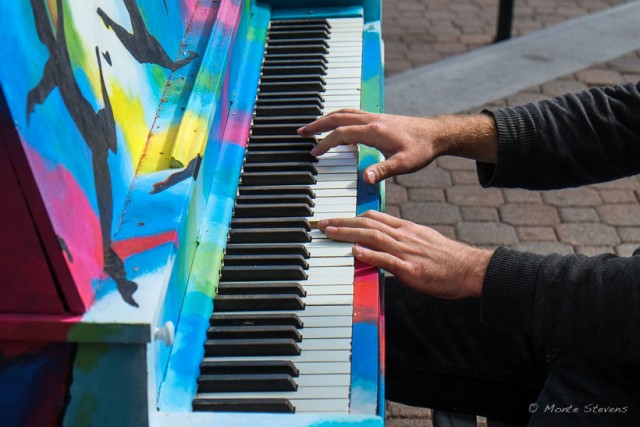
[367, 378]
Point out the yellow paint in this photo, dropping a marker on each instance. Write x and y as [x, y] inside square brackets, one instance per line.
[158, 152]
[129, 114]
[190, 140]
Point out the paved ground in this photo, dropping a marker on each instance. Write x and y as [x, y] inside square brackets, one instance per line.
[447, 196]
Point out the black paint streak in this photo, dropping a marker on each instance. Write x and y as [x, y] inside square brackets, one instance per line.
[190, 171]
[97, 129]
[140, 43]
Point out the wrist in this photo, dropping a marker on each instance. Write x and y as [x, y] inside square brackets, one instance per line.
[476, 262]
[470, 136]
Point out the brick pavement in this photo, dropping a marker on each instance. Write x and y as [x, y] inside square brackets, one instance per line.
[446, 196]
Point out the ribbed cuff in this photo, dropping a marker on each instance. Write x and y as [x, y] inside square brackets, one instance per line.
[516, 138]
[509, 289]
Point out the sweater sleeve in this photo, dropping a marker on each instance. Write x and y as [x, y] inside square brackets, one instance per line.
[572, 302]
[576, 139]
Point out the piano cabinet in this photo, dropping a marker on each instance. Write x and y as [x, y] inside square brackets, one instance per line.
[124, 127]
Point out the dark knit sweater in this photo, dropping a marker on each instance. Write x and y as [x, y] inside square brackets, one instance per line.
[582, 304]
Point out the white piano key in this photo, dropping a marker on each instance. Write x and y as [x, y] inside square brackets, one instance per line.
[337, 166]
[337, 261]
[338, 211]
[320, 405]
[329, 215]
[311, 368]
[324, 177]
[344, 148]
[325, 300]
[327, 321]
[335, 184]
[336, 192]
[333, 73]
[302, 393]
[313, 291]
[323, 249]
[326, 333]
[328, 380]
[305, 356]
[345, 201]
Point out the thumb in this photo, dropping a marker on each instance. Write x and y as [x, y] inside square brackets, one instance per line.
[380, 171]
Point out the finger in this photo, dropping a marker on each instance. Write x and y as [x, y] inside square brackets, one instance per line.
[383, 170]
[334, 120]
[362, 221]
[378, 259]
[370, 237]
[344, 135]
[384, 218]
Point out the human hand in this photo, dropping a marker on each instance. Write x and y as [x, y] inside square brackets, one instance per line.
[419, 256]
[407, 143]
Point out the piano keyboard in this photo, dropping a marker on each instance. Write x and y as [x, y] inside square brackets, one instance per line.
[280, 335]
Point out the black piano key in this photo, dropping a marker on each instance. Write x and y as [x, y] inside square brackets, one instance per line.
[251, 332]
[302, 56]
[252, 347]
[245, 383]
[301, 23]
[270, 223]
[267, 288]
[235, 319]
[279, 259]
[276, 302]
[317, 32]
[291, 78]
[243, 405]
[254, 199]
[254, 149]
[272, 210]
[262, 272]
[281, 167]
[216, 367]
[267, 96]
[297, 41]
[291, 62]
[293, 139]
[284, 156]
[276, 248]
[278, 178]
[280, 119]
[276, 189]
[295, 85]
[304, 68]
[277, 129]
[272, 235]
[287, 108]
[287, 49]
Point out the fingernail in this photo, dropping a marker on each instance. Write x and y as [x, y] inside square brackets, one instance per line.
[300, 130]
[371, 175]
[313, 151]
[357, 251]
[322, 224]
[330, 230]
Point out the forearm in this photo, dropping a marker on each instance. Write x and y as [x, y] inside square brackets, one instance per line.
[471, 136]
[574, 302]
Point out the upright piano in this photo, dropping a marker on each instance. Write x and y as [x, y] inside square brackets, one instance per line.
[160, 263]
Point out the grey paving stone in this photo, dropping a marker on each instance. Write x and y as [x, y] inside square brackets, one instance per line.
[625, 215]
[626, 249]
[521, 196]
[464, 177]
[618, 196]
[529, 214]
[395, 194]
[573, 197]
[486, 233]
[544, 248]
[431, 213]
[431, 176]
[578, 215]
[398, 410]
[588, 234]
[629, 234]
[474, 195]
[456, 163]
[426, 194]
[536, 234]
[479, 214]
[393, 210]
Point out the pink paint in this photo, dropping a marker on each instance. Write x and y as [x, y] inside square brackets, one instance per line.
[126, 248]
[73, 220]
[238, 125]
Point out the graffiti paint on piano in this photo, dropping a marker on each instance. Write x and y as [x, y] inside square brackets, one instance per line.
[97, 91]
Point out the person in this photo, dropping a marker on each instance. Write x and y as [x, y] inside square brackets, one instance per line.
[515, 336]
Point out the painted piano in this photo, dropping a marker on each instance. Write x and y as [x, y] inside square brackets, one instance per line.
[160, 264]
